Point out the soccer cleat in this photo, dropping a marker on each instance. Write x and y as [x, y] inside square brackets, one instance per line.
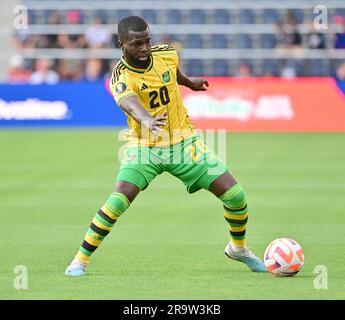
[247, 257]
[75, 269]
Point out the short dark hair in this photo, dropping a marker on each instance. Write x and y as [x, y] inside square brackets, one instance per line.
[131, 23]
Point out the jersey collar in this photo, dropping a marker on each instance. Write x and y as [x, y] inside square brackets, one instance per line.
[137, 69]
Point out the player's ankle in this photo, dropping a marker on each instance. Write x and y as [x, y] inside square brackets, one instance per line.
[83, 263]
[236, 247]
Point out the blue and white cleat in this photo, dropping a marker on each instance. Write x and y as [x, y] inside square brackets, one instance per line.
[75, 269]
[246, 256]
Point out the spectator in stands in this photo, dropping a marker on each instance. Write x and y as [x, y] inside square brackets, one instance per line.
[93, 70]
[54, 19]
[339, 34]
[18, 73]
[339, 76]
[288, 34]
[43, 73]
[24, 41]
[243, 71]
[97, 36]
[315, 39]
[288, 72]
[77, 40]
[292, 68]
[42, 41]
[70, 69]
[66, 41]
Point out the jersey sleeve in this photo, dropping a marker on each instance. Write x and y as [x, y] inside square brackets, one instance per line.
[121, 88]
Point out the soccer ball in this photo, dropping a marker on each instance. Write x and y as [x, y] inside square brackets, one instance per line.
[284, 257]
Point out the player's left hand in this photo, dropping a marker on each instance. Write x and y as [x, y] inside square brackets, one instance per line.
[199, 84]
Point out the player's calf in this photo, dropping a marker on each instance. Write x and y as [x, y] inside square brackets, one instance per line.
[99, 228]
[236, 214]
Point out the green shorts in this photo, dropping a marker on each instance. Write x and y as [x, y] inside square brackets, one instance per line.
[190, 161]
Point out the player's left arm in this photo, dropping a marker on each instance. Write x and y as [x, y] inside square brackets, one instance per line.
[196, 84]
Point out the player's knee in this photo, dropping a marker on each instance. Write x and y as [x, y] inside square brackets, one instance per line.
[117, 204]
[234, 198]
[129, 190]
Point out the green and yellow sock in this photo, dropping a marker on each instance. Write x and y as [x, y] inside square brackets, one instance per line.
[236, 214]
[102, 224]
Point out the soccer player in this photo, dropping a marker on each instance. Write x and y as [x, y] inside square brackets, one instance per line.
[145, 84]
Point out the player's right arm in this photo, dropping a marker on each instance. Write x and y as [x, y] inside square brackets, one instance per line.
[125, 95]
[133, 107]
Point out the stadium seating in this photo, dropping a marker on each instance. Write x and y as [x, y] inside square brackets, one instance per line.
[244, 41]
[268, 41]
[298, 14]
[220, 68]
[270, 67]
[174, 17]
[219, 41]
[150, 16]
[246, 16]
[317, 67]
[221, 17]
[249, 27]
[194, 41]
[197, 17]
[194, 68]
[271, 16]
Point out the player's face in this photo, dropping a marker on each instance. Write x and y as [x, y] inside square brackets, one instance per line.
[137, 48]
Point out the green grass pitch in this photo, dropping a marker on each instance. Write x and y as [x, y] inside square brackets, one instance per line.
[169, 244]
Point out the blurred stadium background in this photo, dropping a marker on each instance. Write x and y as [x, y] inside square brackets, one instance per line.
[214, 38]
[272, 68]
[75, 43]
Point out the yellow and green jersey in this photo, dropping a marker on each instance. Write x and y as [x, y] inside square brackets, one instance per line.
[157, 89]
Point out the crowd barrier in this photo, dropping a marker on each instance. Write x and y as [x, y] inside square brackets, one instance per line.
[60, 105]
[268, 104]
[238, 105]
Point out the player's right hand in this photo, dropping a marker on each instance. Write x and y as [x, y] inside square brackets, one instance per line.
[157, 123]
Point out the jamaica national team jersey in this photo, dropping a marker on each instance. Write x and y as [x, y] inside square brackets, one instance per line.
[158, 91]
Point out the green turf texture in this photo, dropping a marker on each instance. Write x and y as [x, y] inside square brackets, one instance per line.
[169, 244]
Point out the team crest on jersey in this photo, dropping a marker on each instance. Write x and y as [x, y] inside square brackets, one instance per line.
[121, 87]
[166, 76]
